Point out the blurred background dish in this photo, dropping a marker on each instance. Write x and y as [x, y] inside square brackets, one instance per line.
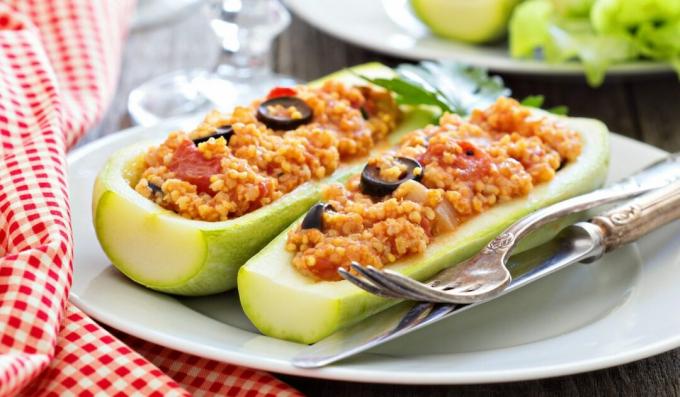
[391, 27]
[474, 22]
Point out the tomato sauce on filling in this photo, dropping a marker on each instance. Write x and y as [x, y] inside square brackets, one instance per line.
[191, 165]
[277, 92]
[468, 166]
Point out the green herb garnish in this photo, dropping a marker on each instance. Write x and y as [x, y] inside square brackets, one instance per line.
[409, 93]
[561, 110]
[448, 86]
[536, 101]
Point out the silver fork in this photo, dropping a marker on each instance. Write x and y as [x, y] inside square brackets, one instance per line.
[485, 275]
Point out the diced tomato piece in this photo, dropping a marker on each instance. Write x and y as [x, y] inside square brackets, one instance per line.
[474, 163]
[325, 270]
[190, 165]
[263, 188]
[281, 91]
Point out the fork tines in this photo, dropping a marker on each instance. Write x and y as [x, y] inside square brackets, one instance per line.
[386, 283]
[453, 285]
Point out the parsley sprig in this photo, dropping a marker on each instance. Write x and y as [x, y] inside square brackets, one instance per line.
[450, 87]
[536, 101]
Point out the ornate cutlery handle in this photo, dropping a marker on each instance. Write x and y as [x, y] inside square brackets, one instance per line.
[503, 245]
[627, 223]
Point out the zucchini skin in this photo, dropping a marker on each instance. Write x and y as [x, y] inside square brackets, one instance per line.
[284, 304]
[225, 246]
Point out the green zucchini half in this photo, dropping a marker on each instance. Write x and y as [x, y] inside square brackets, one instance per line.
[285, 304]
[163, 251]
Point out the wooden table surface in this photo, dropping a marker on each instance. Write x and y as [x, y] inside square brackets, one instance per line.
[646, 108]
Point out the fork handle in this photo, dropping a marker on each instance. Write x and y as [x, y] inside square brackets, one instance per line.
[627, 223]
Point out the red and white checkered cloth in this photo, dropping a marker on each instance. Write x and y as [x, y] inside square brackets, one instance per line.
[58, 67]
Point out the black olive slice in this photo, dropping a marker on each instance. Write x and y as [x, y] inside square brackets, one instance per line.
[155, 189]
[314, 217]
[224, 131]
[371, 183]
[364, 113]
[284, 123]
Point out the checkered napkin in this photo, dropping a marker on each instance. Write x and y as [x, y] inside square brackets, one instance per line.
[58, 67]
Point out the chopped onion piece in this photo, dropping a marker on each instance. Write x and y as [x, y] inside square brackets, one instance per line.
[445, 219]
[416, 192]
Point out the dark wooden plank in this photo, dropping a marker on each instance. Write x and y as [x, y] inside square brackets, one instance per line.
[658, 105]
[645, 109]
[307, 53]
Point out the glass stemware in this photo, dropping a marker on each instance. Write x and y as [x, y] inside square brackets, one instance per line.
[246, 30]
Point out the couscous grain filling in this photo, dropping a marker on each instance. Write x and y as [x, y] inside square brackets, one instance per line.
[469, 166]
[216, 179]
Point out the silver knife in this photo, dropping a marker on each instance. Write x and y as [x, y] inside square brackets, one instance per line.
[581, 242]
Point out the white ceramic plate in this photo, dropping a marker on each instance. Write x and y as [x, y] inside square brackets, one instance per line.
[388, 26]
[151, 13]
[586, 317]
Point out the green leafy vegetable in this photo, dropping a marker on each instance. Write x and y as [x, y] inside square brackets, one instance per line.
[530, 28]
[608, 16]
[573, 8]
[597, 33]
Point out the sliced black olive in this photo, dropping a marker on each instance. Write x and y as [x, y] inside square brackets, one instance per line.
[314, 217]
[364, 113]
[155, 189]
[280, 122]
[224, 131]
[371, 183]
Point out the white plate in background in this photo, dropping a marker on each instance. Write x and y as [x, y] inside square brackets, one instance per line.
[388, 26]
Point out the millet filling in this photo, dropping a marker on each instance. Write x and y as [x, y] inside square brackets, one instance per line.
[222, 178]
[468, 166]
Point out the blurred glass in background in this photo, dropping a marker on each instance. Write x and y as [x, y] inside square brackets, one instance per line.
[246, 30]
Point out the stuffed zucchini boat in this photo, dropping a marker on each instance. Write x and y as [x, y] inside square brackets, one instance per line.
[181, 216]
[432, 201]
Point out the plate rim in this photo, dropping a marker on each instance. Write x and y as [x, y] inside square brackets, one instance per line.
[339, 371]
[504, 64]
